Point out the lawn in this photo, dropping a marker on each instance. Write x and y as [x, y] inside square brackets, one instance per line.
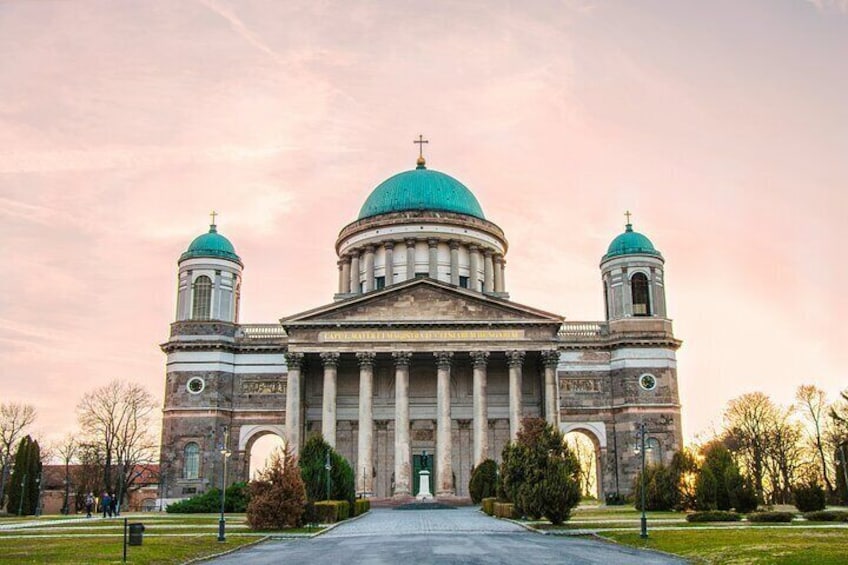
[164, 550]
[746, 545]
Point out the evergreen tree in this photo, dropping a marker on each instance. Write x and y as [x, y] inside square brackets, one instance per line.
[24, 483]
[278, 496]
[313, 459]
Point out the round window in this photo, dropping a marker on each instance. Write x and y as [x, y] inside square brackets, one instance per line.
[195, 385]
[648, 381]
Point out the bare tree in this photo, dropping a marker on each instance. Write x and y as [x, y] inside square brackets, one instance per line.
[14, 419]
[812, 404]
[748, 420]
[118, 419]
[67, 449]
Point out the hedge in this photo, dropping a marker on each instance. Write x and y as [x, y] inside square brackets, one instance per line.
[488, 505]
[771, 516]
[361, 506]
[237, 497]
[827, 516]
[714, 516]
[505, 510]
[331, 511]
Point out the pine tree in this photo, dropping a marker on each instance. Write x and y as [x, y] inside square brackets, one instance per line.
[278, 496]
[23, 486]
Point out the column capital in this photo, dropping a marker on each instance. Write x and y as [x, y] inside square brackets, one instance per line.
[410, 242]
[402, 358]
[550, 358]
[488, 252]
[369, 249]
[473, 248]
[454, 244]
[499, 258]
[294, 360]
[443, 359]
[330, 358]
[515, 358]
[389, 244]
[432, 242]
[366, 358]
[479, 359]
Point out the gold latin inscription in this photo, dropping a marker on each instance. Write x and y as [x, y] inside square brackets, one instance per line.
[420, 335]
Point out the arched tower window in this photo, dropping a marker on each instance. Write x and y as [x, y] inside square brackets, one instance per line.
[641, 295]
[202, 302]
[191, 469]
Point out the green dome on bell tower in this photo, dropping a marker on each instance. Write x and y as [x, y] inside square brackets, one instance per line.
[211, 245]
[631, 243]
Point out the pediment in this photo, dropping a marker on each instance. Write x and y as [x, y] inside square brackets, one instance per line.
[422, 301]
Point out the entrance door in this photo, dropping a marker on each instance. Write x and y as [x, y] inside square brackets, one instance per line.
[418, 464]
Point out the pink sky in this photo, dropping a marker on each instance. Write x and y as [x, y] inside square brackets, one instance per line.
[722, 125]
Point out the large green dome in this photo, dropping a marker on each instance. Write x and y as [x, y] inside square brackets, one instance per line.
[421, 189]
[211, 244]
[631, 243]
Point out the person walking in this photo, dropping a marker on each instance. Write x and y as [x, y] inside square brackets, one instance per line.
[106, 504]
[113, 508]
[89, 504]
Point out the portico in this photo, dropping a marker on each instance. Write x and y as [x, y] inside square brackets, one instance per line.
[455, 389]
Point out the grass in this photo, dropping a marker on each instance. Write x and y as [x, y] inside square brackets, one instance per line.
[164, 550]
[745, 545]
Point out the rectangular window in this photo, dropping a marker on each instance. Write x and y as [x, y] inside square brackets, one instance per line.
[380, 282]
[420, 275]
[463, 281]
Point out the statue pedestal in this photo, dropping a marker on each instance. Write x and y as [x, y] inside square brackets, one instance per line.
[424, 486]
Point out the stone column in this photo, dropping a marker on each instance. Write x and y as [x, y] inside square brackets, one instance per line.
[488, 272]
[369, 269]
[340, 263]
[328, 418]
[410, 258]
[434, 258]
[294, 362]
[389, 257]
[345, 288]
[499, 279]
[515, 359]
[355, 286]
[454, 262]
[550, 359]
[626, 295]
[365, 459]
[481, 408]
[503, 274]
[444, 445]
[474, 267]
[403, 469]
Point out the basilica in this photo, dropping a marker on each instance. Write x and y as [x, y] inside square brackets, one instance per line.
[420, 359]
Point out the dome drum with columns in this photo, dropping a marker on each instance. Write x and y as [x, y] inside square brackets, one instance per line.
[420, 350]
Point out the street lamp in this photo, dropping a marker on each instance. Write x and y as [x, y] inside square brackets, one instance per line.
[640, 449]
[23, 490]
[328, 467]
[225, 453]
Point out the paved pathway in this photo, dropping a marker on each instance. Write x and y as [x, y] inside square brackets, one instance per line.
[464, 535]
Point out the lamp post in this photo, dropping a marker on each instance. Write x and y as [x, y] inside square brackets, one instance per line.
[640, 450]
[23, 490]
[328, 466]
[225, 453]
[38, 495]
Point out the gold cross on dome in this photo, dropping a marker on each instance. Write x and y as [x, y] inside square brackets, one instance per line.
[213, 214]
[421, 141]
[628, 214]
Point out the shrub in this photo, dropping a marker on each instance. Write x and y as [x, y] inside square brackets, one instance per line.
[483, 481]
[770, 516]
[313, 458]
[714, 516]
[236, 500]
[827, 516]
[539, 474]
[505, 510]
[809, 497]
[705, 490]
[488, 505]
[361, 506]
[332, 511]
[719, 485]
[278, 496]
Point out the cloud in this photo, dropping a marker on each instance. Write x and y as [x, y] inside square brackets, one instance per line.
[840, 6]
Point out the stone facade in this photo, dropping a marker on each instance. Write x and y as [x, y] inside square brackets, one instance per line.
[422, 351]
